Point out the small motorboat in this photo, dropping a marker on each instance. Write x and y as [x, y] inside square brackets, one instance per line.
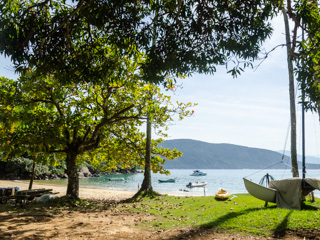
[116, 179]
[222, 194]
[198, 173]
[196, 184]
[171, 180]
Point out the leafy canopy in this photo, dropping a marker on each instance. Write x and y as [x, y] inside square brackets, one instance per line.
[307, 16]
[178, 37]
[46, 119]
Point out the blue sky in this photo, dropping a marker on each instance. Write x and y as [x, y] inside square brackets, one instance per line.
[251, 110]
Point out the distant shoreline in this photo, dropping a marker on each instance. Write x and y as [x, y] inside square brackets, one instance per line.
[84, 192]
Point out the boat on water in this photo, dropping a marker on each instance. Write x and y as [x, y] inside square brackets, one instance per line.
[171, 180]
[198, 173]
[116, 179]
[222, 195]
[196, 184]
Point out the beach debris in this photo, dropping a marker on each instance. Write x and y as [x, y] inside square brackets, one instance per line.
[46, 198]
[234, 196]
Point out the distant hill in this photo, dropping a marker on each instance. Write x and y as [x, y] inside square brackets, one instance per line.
[309, 159]
[203, 155]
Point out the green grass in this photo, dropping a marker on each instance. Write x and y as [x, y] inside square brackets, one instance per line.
[243, 214]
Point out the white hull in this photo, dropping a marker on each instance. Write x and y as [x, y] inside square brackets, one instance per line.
[198, 174]
[116, 179]
[197, 184]
[260, 192]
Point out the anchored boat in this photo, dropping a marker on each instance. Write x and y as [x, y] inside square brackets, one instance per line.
[198, 173]
[171, 180]
[196, 184]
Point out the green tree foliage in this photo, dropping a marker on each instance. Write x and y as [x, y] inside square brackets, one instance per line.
[22, 167]
[306, 52]
[52, 121]
[191, 35]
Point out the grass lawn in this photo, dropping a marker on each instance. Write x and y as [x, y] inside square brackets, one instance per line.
[243, 214]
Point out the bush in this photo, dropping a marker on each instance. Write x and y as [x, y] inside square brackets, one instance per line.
[21, 168]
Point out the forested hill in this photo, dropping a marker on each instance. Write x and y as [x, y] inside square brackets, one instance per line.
[203, 155]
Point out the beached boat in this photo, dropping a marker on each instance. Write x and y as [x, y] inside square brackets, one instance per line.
[287, 193]
[222, 194]
[196, 184]
[171, 180]
[198, 173]
[263, 193]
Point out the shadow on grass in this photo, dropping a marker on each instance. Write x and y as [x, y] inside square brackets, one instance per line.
[140, 195]
[227, 217]
[204, 228]
[306, 206]
[280, 230]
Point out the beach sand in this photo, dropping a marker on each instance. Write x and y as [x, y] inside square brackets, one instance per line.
[84, 192]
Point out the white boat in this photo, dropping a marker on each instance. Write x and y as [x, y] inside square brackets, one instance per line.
[260, 192]
[198, 173]
[116, 179]
[196, 184]
[287, 193]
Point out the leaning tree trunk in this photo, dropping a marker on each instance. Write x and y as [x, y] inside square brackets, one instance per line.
[32, 174]
[294, 160]
[146, 184]
[73, 178]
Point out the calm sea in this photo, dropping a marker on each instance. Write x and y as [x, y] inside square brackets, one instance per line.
[230, 180]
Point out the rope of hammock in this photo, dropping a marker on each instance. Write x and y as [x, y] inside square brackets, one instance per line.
[282, 157]
[263, 169]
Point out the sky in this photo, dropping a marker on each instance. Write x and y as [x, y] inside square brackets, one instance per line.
[251, 110]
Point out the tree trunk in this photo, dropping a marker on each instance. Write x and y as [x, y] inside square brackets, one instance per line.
[146, 184]
[32, 174]
[73, 178]
[294, 160]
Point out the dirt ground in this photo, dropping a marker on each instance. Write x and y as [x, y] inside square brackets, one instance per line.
[106, 224]
[110, 224]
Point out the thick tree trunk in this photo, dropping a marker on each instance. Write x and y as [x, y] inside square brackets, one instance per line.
[73, 178]
[294, 160]
[146, 184]
[32, 175]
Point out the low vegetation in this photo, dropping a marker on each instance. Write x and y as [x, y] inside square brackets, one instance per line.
[241, 214]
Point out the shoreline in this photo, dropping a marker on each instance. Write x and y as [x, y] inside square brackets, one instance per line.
[90, 192]
[84, 192]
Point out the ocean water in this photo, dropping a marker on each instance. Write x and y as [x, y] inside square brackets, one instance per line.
[228, 179]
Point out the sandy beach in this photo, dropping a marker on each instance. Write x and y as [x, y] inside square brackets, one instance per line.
[84, 192]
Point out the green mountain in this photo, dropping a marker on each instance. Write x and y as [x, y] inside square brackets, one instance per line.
[203, 155]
